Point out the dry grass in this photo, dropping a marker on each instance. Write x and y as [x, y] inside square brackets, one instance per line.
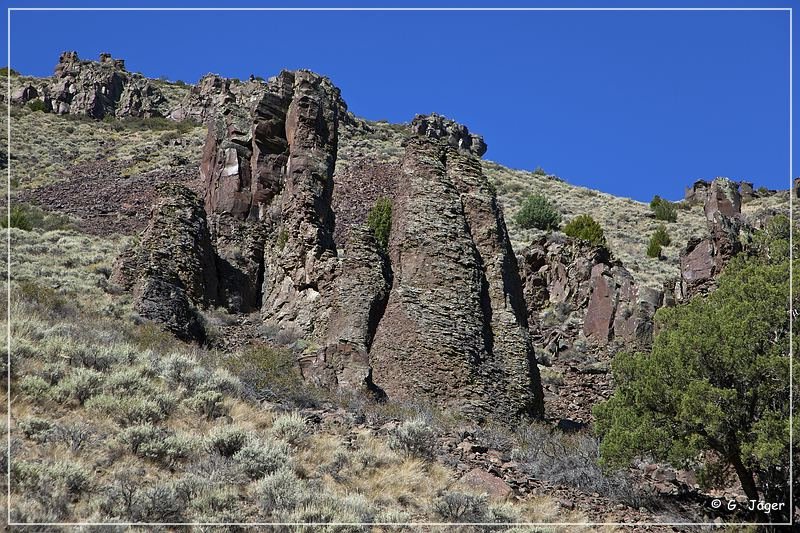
[46, 146]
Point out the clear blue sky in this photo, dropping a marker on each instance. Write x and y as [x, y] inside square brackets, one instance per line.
[632, 103]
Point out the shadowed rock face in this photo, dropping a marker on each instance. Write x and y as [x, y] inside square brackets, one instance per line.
[454, 329]
[95, 88]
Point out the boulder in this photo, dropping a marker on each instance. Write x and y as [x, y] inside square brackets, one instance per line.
[480, 480]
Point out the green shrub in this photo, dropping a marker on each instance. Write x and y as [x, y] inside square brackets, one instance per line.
[5, 71]
[661, 236]
[34, 387]
[17, 219]
[282, 239]
[80, 385]
[36, 105]
[379, 221]
[131, 410]
[414, 436]
[27, 217]
[36, 429]
[664, 209]
[653, 248]
[149, 442]
[207, 403]
[538, 212]
[585, 228]
[259, 458]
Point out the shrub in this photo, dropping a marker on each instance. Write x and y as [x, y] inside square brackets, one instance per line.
[664, 209]
[5, 71]
[80, 385]
[661, 236]
[74, 478]
[36, 429]
[539, 171]
[570, 459]
[257, 458]
[34, 387]
[585, 228]
[379, 221]
[227, 441]
[207, 403]
[654, 248]
[282, 239]
[538, 212]
[17, 219]
[280, 491]
[36, 105]
[130, 410]
[414, 436]
[27, 217]
[290, 428]
[454, 506]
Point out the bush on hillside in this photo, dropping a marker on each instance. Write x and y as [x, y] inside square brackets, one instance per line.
[664, 209]
[537, 212]
[585, 228]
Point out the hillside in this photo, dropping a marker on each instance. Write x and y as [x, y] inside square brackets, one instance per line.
[235, 301]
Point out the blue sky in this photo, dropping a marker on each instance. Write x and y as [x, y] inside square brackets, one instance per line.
[632, 103]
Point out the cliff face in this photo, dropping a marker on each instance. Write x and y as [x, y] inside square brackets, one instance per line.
[454, 327]
[440, 315]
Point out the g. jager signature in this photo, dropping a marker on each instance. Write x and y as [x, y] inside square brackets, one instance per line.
[750, 505]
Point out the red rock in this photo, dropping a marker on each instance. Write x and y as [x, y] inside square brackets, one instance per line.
[495, 488]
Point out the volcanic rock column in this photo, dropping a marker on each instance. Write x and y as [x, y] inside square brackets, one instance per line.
[436, 339]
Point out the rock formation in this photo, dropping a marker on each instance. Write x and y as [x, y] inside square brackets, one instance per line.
[440, 316]
[454, 328]
[703, 259]
[173, 266]
[95, 88]
[596, 296]
[456, 135]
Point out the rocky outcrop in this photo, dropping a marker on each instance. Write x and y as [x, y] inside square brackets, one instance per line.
[357, 305]
[172, 268]
[596, 297]
[213, 94]
[267, 166]
[456, 135]
[440, 316]
[702, 260]
[95, 88]
[454, 330]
